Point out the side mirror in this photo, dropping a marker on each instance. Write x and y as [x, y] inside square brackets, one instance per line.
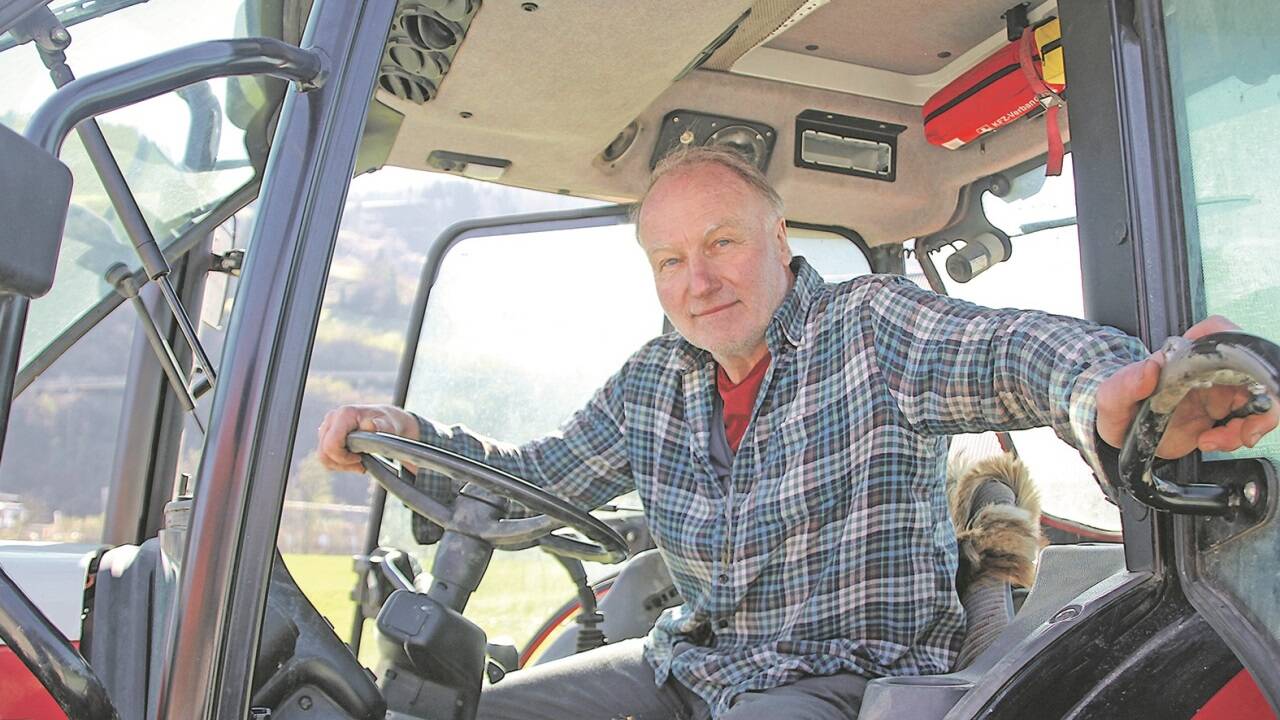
[35, 192]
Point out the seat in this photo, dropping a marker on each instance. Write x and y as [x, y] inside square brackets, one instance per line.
[134, 591]
[1066, 572]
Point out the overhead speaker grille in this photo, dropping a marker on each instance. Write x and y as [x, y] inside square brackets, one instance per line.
[682, 128]
[749, 142]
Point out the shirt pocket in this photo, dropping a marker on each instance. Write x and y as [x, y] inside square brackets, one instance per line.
[807, 466]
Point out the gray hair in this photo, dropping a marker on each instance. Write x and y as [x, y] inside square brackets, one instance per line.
[686, 157]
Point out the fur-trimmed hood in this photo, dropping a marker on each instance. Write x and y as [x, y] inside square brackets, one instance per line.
[1003, 537]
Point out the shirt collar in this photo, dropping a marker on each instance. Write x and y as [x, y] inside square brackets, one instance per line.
[788, 320]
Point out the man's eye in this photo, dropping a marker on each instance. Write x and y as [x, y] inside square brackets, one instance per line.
[667, 264]
[723, 242]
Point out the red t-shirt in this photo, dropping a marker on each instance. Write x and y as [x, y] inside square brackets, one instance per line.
[739, 400]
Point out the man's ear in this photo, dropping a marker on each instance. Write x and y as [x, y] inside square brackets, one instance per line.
[780, 234]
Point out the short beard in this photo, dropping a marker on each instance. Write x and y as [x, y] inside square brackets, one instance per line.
[742, 347]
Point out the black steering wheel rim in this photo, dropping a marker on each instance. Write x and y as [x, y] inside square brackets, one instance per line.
[605, 545]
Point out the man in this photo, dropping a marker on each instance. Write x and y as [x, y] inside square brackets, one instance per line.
[789, 445]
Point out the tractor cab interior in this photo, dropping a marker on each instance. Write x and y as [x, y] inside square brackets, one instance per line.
[903, 137]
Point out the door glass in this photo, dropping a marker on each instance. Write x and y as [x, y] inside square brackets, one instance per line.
[181, 153]
[62, 436]
[1225, 76]
[1042, 273]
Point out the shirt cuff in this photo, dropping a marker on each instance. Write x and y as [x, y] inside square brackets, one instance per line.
[440, 487]
[1083, 418]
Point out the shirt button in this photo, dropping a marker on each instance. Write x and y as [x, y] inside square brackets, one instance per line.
[724, 577]
[722, 623]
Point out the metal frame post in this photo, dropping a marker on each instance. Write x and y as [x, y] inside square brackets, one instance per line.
[241, 479]
[1110, 143]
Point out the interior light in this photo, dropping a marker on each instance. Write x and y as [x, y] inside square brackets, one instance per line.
[849, 145]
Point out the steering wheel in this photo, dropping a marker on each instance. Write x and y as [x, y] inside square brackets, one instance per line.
[480, 479]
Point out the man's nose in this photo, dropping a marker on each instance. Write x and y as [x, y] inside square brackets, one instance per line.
[703, 279]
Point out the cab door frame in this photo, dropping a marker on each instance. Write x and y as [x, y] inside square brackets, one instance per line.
[1130, 202]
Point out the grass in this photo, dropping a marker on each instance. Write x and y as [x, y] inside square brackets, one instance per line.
[519, 591]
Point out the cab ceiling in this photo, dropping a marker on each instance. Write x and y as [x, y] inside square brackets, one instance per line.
[549, 89]
[913, 38]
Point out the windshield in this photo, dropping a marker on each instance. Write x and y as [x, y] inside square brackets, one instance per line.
[181, 153]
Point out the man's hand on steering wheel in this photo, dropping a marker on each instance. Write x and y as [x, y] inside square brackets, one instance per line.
[398, 426]
[340, 422]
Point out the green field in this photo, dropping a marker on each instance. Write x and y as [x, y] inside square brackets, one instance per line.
[519, 592]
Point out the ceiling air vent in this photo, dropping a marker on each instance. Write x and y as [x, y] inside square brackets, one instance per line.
[431, 31]
[420, 50]
[405, 85]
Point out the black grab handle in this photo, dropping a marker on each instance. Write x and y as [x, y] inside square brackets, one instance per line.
[1225, 358]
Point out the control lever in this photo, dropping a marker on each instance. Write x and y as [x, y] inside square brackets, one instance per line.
[503, 658]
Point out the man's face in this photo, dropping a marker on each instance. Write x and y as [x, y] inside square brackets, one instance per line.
[719, 256]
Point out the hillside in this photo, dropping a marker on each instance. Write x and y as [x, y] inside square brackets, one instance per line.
[62, 438]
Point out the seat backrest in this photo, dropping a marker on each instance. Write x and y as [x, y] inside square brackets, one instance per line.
[642, 590]
[134, 598]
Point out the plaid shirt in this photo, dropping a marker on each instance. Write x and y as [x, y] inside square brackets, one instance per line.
[831, 550]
